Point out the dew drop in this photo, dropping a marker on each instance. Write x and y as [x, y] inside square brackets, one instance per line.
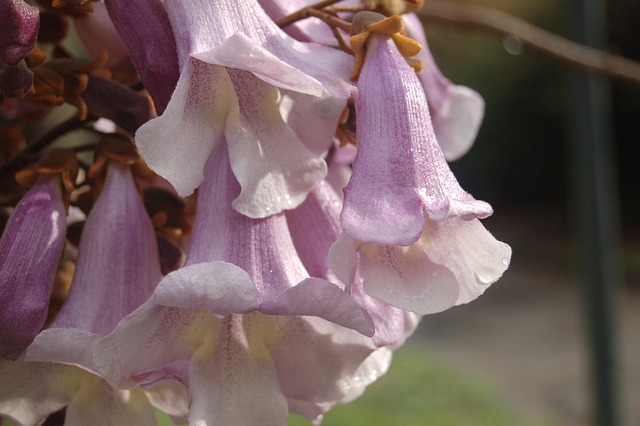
[505, 261]
[193, 278]
[482, 279]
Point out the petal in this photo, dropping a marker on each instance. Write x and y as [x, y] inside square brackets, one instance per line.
[399, 170]
[316, 297]
[150, 338]
[316, 359]
[30, 391]
[405, 277]
[388, 320]
[97, 403]
[261, 247]
[467, 249]
[343, 258]
[177, 144]
[64, 346]
[275, 170]
[247, 27]
[313, 119]
[314, 227]
[240, 370]
[241, 53]
[220, 287]
[374, 367]
[30, 250]
[458, 120]
[172, 398]
[112, 278]
[151, 46]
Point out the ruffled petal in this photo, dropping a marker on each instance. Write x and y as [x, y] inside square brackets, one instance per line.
[316, 360]
[64, 346]
[316, 297]
[407, 278]
[275, 170]
[177, 144]
[467, 249]
[375, 366]
[241, 53]
[220, 287]
[458, 121]
[165, 335]
[198, 29]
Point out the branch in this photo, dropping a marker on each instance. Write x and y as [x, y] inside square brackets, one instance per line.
[498, 22]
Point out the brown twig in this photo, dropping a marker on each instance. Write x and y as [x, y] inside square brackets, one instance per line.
[22, 158]
[333, 21]
[303, 13]
[499, 22]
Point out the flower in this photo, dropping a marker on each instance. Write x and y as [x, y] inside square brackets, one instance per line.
[399, 173]
[421, 245]
[242, 321]
[30, 250]
[230, 88]
[117, 269]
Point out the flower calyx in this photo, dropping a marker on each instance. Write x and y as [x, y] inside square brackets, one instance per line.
[118, 148]
[367, 23]
[54, 161]
[62, 80]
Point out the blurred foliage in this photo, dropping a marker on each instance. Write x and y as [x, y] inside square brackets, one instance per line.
[520, 153]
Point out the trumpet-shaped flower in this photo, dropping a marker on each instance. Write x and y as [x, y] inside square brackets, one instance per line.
[30, 250]
[421, 246]
[117, 269]
[238, 316]
[229, 89]
[400, 175]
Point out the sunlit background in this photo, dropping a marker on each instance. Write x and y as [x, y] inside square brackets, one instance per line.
[521, 353]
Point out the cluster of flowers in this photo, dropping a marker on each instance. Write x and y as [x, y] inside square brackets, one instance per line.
[301, 275]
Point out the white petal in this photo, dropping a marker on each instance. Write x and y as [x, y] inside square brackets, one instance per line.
[274, 168]
[466, 248]
[220, 287]
[177, 144]
[406, 278]
[458, 120]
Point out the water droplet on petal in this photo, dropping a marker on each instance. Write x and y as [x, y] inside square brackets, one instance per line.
[505, 261]
[481, 279]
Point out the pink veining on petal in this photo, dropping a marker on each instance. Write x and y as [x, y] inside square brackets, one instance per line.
[399, 173]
